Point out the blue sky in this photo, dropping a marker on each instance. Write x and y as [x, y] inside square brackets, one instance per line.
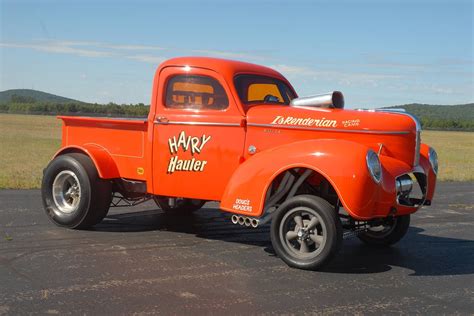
[377, 53]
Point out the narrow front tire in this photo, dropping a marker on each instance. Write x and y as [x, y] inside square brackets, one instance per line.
[306, 232]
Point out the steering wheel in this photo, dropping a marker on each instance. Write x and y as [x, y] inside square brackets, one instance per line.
[270, 98]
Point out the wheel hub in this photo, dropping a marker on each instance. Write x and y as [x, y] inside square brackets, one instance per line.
[303, 234]
[66, 192]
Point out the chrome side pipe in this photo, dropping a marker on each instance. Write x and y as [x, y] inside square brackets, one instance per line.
[245, 221]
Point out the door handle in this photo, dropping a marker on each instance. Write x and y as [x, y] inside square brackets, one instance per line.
[161, 120]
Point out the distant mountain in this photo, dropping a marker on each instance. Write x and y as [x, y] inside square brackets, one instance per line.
[442, 117]
[463, 112]
[31, 96]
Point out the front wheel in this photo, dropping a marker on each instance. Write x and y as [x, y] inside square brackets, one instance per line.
[390, 232]
[306, 232]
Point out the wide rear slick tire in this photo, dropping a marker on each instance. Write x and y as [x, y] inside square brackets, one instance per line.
[388, 234]
[306, 232]
[73, 194]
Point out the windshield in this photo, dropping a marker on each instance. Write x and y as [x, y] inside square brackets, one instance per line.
[256, 89]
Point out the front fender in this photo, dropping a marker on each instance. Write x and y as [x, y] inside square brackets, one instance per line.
[341, 162]
[105, 165]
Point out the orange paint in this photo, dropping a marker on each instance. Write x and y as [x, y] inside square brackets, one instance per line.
[205, 151]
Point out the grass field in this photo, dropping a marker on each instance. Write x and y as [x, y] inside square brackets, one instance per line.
[27, 142]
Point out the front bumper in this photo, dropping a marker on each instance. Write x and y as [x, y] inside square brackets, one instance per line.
[394, 197]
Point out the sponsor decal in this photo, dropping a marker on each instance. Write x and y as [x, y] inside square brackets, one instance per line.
[349, 123]
[308, 122]
[242, 205]
[185, 142]
[272, 131]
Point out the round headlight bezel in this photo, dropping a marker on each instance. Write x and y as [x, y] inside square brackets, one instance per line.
[433, 158]
[374, 166]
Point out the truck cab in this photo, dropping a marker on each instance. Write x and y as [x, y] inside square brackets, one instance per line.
[237, 133]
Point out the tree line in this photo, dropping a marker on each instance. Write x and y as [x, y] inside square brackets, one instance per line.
[76, 108]
[431, 117]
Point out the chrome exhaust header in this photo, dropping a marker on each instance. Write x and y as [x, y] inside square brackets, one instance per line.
[333, 99]
[234, 219]
[245, 221]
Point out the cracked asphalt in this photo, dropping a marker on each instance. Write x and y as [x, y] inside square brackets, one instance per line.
[139, 261]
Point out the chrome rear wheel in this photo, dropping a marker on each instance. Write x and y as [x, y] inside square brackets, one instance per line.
[66, 192]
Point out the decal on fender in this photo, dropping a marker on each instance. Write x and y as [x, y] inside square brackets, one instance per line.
[242, 205]
[192, 143]
[312, 122]
[298, 121]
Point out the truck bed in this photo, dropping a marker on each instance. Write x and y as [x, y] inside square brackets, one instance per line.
[123, 139]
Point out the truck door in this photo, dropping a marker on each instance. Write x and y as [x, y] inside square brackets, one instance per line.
[198, 134]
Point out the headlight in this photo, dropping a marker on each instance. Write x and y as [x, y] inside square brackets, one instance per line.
[433, 157]
[373, 164]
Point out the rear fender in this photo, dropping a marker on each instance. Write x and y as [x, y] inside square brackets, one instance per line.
[342, 163]
[105, 165]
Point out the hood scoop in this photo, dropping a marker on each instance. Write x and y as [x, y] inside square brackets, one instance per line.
[333, 99]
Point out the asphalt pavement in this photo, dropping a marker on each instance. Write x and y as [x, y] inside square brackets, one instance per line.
[140, 261]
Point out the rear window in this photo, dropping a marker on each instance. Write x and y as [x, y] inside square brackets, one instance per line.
[196, 93]
[253, 89]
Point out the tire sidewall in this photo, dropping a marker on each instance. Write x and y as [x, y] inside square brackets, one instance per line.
[401, 226]
[75, 218]
[331, 222]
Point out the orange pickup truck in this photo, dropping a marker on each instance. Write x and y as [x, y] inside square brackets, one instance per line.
[237, 133]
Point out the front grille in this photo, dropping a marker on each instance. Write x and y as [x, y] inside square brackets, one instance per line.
[417, 148]
[416, 158]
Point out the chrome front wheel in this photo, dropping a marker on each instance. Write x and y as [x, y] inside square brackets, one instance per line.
[306, 232]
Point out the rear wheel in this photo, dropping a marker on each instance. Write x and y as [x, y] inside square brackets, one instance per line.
[306, 232]
[178, 205]
[390, 232]
[73, 194]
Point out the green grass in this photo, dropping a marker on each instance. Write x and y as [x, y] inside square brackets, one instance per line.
[455, 153]
[27, 143]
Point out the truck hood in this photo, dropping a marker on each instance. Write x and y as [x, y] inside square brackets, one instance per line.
[394, 134]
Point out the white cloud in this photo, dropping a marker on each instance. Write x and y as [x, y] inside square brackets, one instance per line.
[59, 48]
[148, 58]
[86, 48]
[143, 53]
[341, 77]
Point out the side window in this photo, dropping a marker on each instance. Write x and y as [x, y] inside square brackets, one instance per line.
[196, 93]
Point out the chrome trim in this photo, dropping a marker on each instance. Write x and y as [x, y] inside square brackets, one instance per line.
[380, 149]
[337, 130]
[432, 154]
[416, 159]
[196, 123]
[252, 149]
[423, 187]
[370, 169]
